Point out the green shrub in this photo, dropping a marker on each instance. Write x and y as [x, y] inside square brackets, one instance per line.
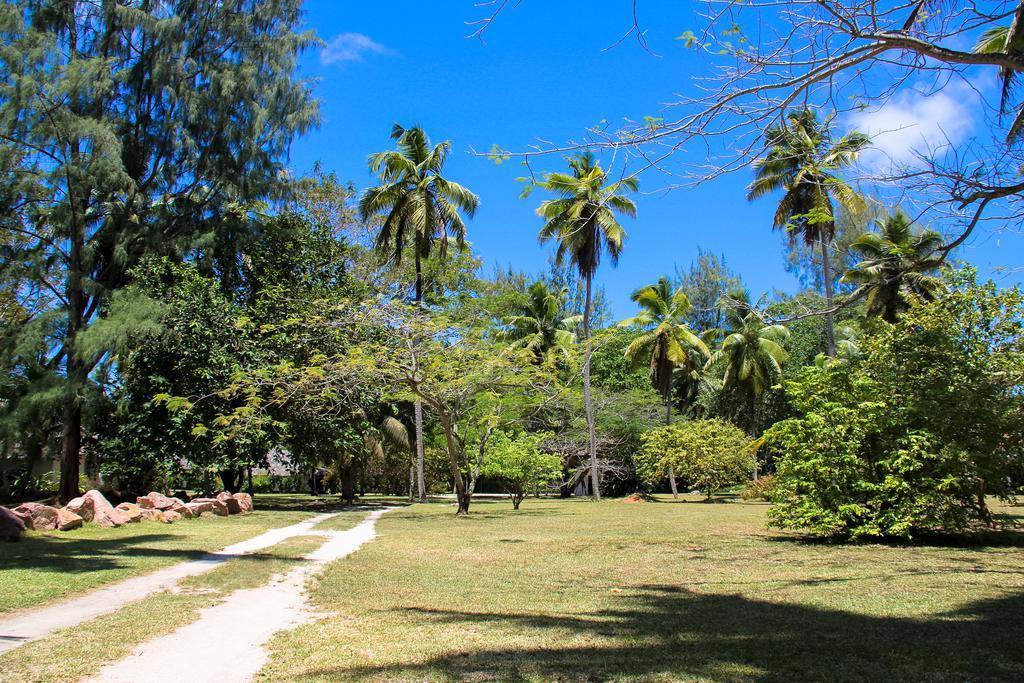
[913, 436]
[707, 454]
[519, 464]
[760, 489]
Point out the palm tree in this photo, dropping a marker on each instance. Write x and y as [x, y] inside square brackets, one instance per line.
[667, 342]
[802, 160]
[895, 269]
[752, 353]
[1007, 39]
[419, 208]
[539, 324]
[584, 224]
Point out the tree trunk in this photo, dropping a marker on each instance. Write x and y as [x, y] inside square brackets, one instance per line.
[421, 481]
[462, 495]
[668, 421]
[232, 479]
[595, 482]
[418, 405]
[830, 325]
[412, 473]
[348, 489]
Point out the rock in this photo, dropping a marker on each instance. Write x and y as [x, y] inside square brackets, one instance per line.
[169, 517]
[181, 509]
[198, 508]
[634, 498]
[103, 513]
[232, 504]
[67, 520]
[130, 510]
[11, 525]
[208, 513]
[156, 501]
[37, 516]
[150, 514]
[244, 502]
[217, 506]
[81, 506]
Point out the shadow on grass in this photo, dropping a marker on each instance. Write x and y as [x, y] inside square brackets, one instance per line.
[667, 632]
[1008, 538]
[81, 556]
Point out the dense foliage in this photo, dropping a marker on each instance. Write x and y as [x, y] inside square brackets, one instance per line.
[917, 433]
[520, 464]
[707, 454]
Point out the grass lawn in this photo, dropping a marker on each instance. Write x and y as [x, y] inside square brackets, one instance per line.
[47, 566]
[574, 590]
[82, 651]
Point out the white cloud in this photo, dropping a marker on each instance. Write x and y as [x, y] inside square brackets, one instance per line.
[912, 122]
[350, 47]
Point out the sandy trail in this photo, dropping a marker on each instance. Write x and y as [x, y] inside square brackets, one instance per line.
[30, 625]
[226, 643]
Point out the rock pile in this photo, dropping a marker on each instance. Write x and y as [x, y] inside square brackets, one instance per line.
[93, 507]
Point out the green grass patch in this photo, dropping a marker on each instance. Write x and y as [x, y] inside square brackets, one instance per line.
[82, 651]
[47, 566]
[578, 591]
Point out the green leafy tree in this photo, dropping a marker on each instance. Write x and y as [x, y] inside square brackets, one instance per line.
[898, 267]
[537, 323]
[583, 223]
[803, 161]
[419, 209]
[128, 129]
[666, 343]
[520, 464]
[708, 454]
[705, 282]
[912, 437]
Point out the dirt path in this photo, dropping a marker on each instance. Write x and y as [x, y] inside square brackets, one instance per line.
[226, 643]
[30, 625]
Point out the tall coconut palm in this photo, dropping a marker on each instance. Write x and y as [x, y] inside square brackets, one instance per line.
[752, 354]
[540, 325]
[896, 266]
[583, 223]
[667, 342]
[802, 160]
[418, 209]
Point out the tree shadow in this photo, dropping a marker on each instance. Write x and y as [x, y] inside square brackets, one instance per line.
[668, 633]
[81, 556]
[306, 503]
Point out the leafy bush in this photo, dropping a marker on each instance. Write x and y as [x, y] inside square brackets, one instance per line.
[914, 435]
[518, 462]
[760, 489]
[707, 454]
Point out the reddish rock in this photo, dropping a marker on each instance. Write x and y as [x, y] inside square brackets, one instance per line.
[244, 501]
[67, 520]
[81, 506]
[232, 504]
[150, 514]
[169, 517]
[37, 516]
[198, 508]
[181, 509]
[103, 513]
[208, 513]
[156, 501]
[131, 511]
[217, 506]
[11, 525]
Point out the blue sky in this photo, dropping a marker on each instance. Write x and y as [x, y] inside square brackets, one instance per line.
[534, 78]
